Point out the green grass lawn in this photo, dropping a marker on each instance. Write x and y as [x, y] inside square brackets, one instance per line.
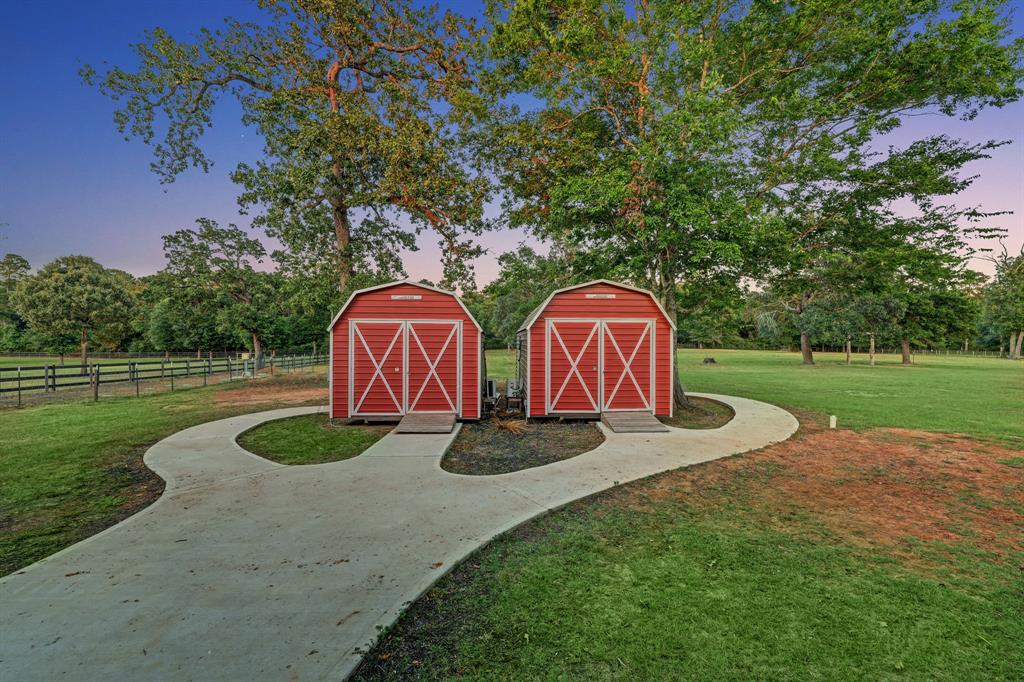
[501, 364]
[68, 470]
[603, 590]
[977, 396]
[309, 439]
[839, 555]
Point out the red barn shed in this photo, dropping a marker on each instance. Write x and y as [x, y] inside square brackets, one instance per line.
[597, 347]
[404, 348]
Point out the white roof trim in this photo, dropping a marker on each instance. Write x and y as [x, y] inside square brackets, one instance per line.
[421, 285]
[532, 317]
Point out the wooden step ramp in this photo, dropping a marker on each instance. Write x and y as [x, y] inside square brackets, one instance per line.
[426, 422]
[633, 422]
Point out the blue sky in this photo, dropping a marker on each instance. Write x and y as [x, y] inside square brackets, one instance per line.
[70, 184]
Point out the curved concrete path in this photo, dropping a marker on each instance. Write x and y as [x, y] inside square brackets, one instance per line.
[247, 569]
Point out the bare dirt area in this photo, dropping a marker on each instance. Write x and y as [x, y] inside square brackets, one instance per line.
[499, 446]
[889, 488]
[285, 390]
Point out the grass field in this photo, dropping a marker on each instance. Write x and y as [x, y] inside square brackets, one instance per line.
[309, 439]
[855, 553]
[978, 396]
[68, 470]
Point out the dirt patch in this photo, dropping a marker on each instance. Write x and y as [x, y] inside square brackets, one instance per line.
[887, 487]
[283, 390]
[498, 446]
[701, 413]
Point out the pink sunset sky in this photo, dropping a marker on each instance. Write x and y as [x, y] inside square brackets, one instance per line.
[69, 184]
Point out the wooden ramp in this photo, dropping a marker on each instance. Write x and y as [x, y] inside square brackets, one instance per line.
[632, 422]
[426, 422]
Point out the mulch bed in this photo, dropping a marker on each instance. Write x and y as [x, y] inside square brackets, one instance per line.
[499, 446]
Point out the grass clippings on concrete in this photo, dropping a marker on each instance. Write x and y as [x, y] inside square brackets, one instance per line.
[499, 446]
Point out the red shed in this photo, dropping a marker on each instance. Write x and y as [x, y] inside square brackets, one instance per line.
[597, 347]
[405, 347]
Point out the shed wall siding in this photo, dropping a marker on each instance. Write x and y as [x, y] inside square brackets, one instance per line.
[575, 304]
[379, 305]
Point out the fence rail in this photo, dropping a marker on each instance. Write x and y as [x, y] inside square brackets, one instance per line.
[142, 355]
[54, 377]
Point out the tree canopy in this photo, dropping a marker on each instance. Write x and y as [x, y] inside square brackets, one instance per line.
[362, 107]
[676, 142]
[75, 295]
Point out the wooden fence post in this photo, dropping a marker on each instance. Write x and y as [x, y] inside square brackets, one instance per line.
[133, 371]
[172, 375]
[19, 386]
[96, 382]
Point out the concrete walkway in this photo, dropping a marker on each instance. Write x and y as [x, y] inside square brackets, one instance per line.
[249, 570]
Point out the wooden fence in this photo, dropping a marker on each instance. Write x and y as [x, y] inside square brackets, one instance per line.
[54, 377]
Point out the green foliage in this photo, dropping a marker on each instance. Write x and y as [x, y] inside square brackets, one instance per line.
[76, 296]
[1003, 299]
[524, 280]
[677, 144]
[362, 107]
[216, 267]
[13, 269]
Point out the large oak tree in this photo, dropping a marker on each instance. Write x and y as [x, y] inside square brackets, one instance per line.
[361, 105]
[666, 137]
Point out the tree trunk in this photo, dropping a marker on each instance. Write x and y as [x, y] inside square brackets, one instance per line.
[668, 300]
[905, 351]
[1020, 345]
[257, 351]
[83, 351]
[871, 350]
[848, 350]
[805, 349]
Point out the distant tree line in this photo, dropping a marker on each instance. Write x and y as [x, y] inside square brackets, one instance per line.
[219, 291]
[954, 309]
[211, 296]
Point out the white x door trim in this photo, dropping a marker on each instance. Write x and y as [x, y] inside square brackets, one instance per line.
[601, 328]
[574, 363]
[432, 366]
[405, 330]
[378, 372]
[627, 365]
